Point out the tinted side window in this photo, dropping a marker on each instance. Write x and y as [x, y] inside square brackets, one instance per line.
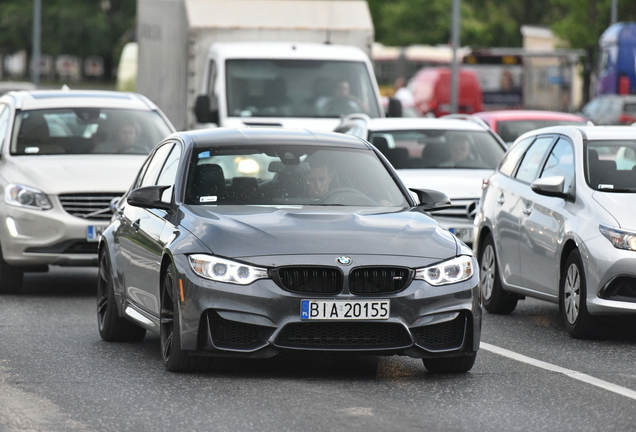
[169, 172]
[532, 160]
[512, 157]
[561, 163]
[155, 165]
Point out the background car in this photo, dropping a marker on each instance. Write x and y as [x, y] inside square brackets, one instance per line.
[556, 223]
[422, 152]
[511, 124]
[611, 110]
[255, 241]
[62, 162]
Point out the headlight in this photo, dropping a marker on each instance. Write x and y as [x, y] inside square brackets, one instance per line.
[621, 239]
[24, 196]
[449, 272]
[223, 270]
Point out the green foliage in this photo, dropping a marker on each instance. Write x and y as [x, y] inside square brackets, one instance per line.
[77, 27]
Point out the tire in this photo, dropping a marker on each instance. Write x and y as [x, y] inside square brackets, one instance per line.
[174, 358]
[112, 327]
[450, 364]
[10, 278]
[496, 299]
[573, 298]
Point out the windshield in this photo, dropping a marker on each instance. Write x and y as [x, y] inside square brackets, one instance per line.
[510, 130]
[291, 175]
[299, 88]
[439, 149]
[87, 131]
[611, 166]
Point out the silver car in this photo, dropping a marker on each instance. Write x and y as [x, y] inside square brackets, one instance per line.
[556, 222]
[447, 154]
[64, 156]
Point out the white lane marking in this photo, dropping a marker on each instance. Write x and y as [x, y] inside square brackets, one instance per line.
[623, 391]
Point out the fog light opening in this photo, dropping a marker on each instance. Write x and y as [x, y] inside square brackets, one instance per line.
[12, 227]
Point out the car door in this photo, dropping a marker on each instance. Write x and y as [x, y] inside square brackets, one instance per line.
[502, 202]
[138, 235]
[542, 224]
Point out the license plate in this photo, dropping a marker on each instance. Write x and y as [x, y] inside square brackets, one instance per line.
[93, 232]
[345, 310]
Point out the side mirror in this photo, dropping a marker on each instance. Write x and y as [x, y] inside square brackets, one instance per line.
[431, 200]
[148, 197]
[550, 186]
[204, 110]
[394, 108]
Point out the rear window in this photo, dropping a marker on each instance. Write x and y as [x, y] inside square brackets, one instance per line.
[443, 149]
[510, 130]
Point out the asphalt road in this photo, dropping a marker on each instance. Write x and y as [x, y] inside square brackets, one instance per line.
[56, 374]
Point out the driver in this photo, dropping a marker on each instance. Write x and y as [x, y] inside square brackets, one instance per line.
[126, 139]
[318, 181]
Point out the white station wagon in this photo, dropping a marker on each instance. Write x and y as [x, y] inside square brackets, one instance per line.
[64, 155]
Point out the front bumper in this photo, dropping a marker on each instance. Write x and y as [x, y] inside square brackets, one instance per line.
[611, 278]
[261, 319]
[32, 238]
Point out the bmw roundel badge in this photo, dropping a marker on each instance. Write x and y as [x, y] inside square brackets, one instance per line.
[344, 260]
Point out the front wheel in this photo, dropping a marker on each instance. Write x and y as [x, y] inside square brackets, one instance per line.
[573, 298]
[174, 358]
[112, 327]
[460, 364]
[496, 299]
[10, 277]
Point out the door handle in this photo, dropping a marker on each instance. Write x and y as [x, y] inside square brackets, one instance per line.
[528, 209]
[501, 199]
[135, 224]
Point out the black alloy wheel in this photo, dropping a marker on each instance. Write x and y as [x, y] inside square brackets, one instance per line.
[112, 327]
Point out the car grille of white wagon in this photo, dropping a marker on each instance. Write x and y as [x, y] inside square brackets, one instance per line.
[94, 206]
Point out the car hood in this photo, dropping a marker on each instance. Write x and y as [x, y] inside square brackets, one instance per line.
[621, 206]
[250, 231]
[57, 174]
[455, 183]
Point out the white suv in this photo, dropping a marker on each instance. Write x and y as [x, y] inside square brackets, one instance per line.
[452, 156]
[64, 155]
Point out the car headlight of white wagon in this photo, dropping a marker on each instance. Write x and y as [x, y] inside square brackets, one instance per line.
[621, 239]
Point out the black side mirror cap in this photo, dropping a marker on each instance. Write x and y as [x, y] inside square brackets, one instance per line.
[204, 111]
[148, 197]
[431, 200]
[394, 108]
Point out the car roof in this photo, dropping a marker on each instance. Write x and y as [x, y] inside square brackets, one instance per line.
[43, 99]
[528, 115]
[406, 123]
[268, 135]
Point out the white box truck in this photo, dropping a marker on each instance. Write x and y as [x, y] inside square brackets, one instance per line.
[290, 63]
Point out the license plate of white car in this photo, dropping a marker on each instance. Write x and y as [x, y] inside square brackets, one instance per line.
[93, 232]
[345, 309]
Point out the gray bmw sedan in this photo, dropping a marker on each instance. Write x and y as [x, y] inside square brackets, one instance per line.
[249, 242]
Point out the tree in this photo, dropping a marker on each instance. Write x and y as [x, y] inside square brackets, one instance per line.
[76, 27]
